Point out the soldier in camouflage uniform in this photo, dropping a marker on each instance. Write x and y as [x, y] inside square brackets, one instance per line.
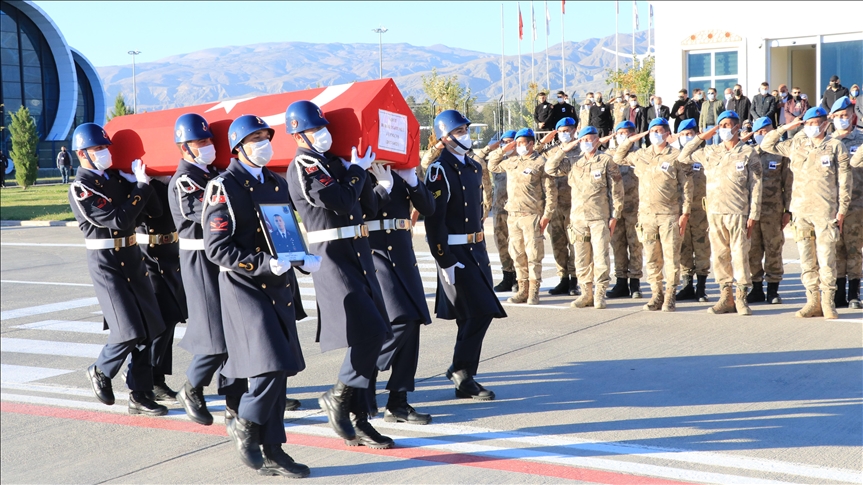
[767, 236]
[849, 258]
[529, 210]
[501, 231]
[819, 203]
[597, 201]
[627, 249]
[621, 102]
[695, 248]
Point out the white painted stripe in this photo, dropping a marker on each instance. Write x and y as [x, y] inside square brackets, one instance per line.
[859, 320]
[49, 308]
[49, 245]
[79, 327]
[49, 347]
[50, 283]
[19, 374]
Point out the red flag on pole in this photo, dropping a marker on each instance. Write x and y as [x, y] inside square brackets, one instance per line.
[520, 24]
[562, 6]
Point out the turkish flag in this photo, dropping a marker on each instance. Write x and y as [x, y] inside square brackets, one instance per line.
[520, 24]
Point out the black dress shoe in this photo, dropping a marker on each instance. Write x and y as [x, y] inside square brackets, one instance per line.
[139, 403]
[163, 393]
[399, 411]
[102, 386]
[562, 288]
[335, 402]
[246, 437]
[277, 462]
[192, 401]
[467, 387]
[367, 435]
[292, 404]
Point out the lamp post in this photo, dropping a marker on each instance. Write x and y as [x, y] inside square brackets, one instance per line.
[381, 31]
[134, 85]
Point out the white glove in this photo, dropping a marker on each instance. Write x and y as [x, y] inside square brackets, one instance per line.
[362, 162]
[128, 176]
[140, 171]
[384, 176]
[311, 263]
[409, 175]
[449, 273]
[279, 266]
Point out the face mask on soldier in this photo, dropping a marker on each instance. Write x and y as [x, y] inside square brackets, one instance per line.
[564, 136]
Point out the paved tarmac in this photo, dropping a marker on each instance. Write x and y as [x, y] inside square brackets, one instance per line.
[613, 396]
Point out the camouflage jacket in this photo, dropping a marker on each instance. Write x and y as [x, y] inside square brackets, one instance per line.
[597, 189]
[665, 184]
[528, 187]
[775, 183]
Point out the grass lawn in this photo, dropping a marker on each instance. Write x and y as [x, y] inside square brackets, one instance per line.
[37, 203]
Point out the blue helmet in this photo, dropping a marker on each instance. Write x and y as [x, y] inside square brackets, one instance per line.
[816, 112]
[447, 121]
[508, 134]
[625, 125]
[525, 133]
[762, 123]
[840, 104]
[687, 124]
[727, 114]
[190, 127]
[658, 122]
[587, 130]
[243, 127]
[303, 115]
[564, 122]
[89, 135]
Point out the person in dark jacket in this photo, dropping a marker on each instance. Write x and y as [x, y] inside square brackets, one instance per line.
[601, 116]
[561, 109]
[543, 113]
[739, 103]
[636, 114]
[64, 164]
[833, 92]
[763, 103]
[4, 164]
[657, 110]
[683, 109]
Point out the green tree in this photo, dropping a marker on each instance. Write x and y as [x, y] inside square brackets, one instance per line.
[530, 104]
[120, 107]
[25, 143]
[637, 78]
[445, 93]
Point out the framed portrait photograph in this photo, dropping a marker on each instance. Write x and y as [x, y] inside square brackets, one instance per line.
[283, 232]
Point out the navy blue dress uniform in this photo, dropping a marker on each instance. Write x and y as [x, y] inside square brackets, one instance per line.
[402, 288]
[455, 236]
[205, 337]
[257, 303]
[106, 207]
[157, 238]
[334, 201]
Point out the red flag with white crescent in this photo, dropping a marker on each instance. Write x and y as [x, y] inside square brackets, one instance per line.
[562, 6]
[520, 24]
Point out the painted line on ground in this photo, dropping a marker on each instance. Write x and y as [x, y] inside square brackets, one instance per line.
[48, 245]
[49, 347]
[49, 308]
[20, 374]
[54, 283]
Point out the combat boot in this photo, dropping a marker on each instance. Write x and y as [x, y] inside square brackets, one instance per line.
[586, 298]
[599, 298]
[140, 403]
[688, 291]
[336, 402]
[828, 304]
[507, 283]
[573, 286]
[812, 308]
[700, 288]
[192, 401]
[757, 293]
[773, 297]
[854, 294]
[367, 435]
[741, 301]
[533, 293]
[726, 301]
[635, 288]
[562, 288]
[467, 388]
[521, 295]
[656, 299]
[246, 436]
[839, 300]
[670, 303]
[277, 462]
[399, 411]
[620, 289]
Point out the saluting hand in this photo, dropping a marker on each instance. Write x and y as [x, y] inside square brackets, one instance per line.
[709, 133]
[547, 138]
[635, 138]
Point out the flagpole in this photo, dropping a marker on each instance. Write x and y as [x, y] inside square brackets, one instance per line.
[520, 33]
[562, 47]
[616, 36]
[649, 26]
[634, 26]
[502, 58]
[532, 44]
[547, 71]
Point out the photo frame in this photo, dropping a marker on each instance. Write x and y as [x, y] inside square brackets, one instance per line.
[282, 231]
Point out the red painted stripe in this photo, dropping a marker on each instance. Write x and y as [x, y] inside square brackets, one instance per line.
[464, 459]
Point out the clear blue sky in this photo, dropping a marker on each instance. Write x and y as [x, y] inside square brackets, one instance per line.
[105, 30]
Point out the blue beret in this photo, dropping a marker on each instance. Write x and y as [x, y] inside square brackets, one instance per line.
[814, 113]
[762, 123]
[508, 134]
[686, 125]
[840, 104]
[625, 125]
[564, 122]
[587, 130]
[658, 122]
[524, 132]
[727, 114]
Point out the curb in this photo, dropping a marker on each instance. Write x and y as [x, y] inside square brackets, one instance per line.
[38, 224]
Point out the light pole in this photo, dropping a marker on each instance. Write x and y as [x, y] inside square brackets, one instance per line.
[381, 31]
[134, 86]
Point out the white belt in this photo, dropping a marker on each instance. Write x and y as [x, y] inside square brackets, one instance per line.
[458, 239]
[390, 225]
[224, 269]
[157, 239]
[113, 243]
[347, 232]
[191, 244]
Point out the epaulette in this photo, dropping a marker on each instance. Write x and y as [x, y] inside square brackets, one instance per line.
[436, 171]
[215, 193]
[307, 165]
[80, 192]
[187, 185]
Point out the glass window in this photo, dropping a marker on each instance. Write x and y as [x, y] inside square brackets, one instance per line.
[9, 39]
[11, 89]
[726, 63]
[11, 74]
[26, 45]
[693, 85]
[32, 74]
[7, 23]
[33, 91]
[843, 59]
[716, 69]
[8, 56]
[722, 84]
[699, 65]
[29, 58]
[11, 104]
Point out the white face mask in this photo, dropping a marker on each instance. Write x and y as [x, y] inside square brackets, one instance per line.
[259, 153]
[633, 103]
[711, 96]
[323, 140]
[206, 155]
[619, 100]
[621, 138]
[521, 150]
[559, 99]
[727, 96]
[841, 123]
[683, 140]
[812, 131]
[465, 141]
[784, 94]
[763, 92]
[101, 159]
[656, 138]
[854, 93]
[725, 134]
[564, 136]
[586, 146]
[758, 139]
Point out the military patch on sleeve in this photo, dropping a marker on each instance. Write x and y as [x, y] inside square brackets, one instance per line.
[665, 166]
[771, 165]
[218, 224]
[436, 193]
[825, 161]
[101, 203]
[696, 167]
[312, 169]
[325, 180]
[597, 175]
[218, 199]
[740, 166]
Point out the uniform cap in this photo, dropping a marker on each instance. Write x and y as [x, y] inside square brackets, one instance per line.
[727, 114]
[840, 104]
[625, 125]
[814, 113]
[564, 122]
[658, 122]
[687, 125]
[525, 133]
[508, 134]
[762, 123]
[587, 130]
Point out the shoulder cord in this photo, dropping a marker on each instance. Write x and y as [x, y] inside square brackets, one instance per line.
[439, 171]
[181, 190]
[78, 200]
[217, 188]
[304, 161]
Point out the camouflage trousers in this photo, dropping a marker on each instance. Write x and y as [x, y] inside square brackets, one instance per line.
[816, 242]
[501, 239]
[849, 249]
[695, 247]
[626, 247]
[590, 240]
[767, 241]
[526, 245]
[730, 248]
[561, 249]
[660, 235]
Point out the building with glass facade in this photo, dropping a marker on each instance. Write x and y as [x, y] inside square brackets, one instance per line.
[39, 70]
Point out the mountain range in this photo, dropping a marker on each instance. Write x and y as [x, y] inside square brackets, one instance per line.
[234, 71]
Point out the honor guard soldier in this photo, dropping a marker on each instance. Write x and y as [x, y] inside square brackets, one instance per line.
[401, 284]
[499, 225]
[205, 336]
[694, 248]
[455, 236]
[157, 238]
[333, 197]
[665, 189]
[849, 258]
[733, 171]
[530, 207]
[767, 234]
[597, 201]
[257, 299]
[625, 245]
[106, 207]
[819, 202]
